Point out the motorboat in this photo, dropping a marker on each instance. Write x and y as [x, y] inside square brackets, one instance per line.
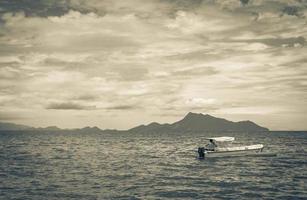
[223, 147]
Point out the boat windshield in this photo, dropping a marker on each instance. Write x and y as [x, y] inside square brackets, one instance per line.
[222, 143]
[221, 139]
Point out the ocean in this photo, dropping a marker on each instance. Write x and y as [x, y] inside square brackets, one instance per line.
[148, 166]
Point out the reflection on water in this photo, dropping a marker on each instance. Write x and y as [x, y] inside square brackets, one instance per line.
[141, 166]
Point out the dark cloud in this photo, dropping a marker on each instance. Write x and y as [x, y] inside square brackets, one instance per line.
[244, 2]
[292, 10]
[122, 107]
[69, 106]
[185, 5]
[41, 8]
[142, 9]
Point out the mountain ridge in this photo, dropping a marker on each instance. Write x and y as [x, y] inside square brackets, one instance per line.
[198, 122]
[192, 122]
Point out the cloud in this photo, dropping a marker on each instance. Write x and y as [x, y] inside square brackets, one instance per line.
[86, 97]
[195, 71]
[128, 72]
[68, 106]
[35, 8]
[292, 10]
[151, 57]
[122, 107]
[277, 42]
[244, 2]
[197, 103]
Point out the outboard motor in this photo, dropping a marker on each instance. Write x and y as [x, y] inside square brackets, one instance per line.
[201, 152]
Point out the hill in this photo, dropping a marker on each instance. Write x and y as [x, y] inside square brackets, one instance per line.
[194, 122]
[13, 127]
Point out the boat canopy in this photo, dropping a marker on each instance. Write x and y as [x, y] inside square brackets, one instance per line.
[222, 139]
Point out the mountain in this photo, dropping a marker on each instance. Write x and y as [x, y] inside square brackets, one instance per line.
[194, 122]
[152, 127]
[18, 127]
[49, 128]
[88, 129]
[13, 127]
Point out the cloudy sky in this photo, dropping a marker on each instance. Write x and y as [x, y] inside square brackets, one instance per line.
[117, 64]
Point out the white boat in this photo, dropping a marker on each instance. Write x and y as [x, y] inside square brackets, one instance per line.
[223, 146]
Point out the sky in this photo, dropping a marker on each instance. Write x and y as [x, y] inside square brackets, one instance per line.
[117, 64]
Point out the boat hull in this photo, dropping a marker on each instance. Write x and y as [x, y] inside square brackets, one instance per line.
[216, 154]
[214, 150]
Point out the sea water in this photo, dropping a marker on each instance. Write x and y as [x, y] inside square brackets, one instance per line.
[148, 166]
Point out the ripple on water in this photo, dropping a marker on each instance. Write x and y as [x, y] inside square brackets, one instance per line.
[143, 166]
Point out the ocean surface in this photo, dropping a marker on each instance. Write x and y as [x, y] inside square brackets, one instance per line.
[147, 166]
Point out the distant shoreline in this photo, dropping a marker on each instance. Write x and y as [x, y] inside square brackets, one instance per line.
[191, 123]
